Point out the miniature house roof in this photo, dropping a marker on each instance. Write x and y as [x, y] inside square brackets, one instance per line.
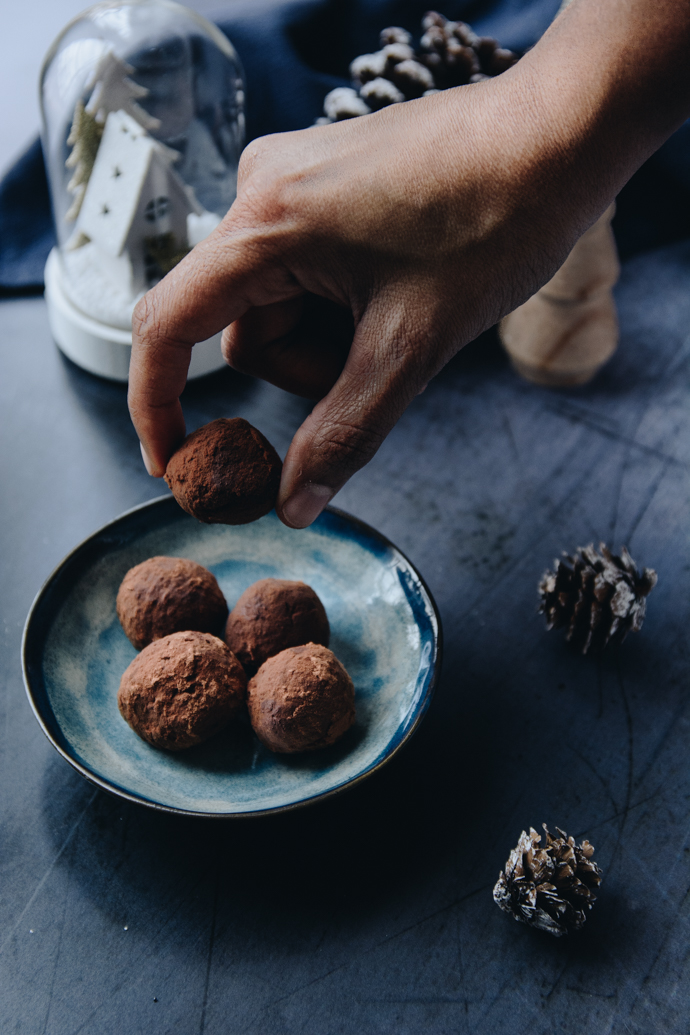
[126, 157]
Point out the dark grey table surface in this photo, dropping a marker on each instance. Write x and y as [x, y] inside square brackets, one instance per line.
[372, 913]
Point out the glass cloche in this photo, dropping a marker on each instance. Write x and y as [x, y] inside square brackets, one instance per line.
[143, 126]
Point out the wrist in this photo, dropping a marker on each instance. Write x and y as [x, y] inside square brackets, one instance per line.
[603, 89]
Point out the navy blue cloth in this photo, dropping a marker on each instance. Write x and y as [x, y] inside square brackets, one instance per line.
[26, 223]
[294, 52]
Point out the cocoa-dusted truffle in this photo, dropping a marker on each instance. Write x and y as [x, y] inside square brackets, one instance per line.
[169, 594]
[272, 615]
[225, 473]
[181, 690]
[301, 699]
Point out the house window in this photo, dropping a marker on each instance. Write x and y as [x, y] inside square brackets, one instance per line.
[157, 208]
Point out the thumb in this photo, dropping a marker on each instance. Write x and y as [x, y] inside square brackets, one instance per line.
[384, 371]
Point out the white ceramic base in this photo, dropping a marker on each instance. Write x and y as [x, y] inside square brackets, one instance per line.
[100, 348]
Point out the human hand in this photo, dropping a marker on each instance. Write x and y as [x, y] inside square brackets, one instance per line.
[380, 217]
[427, 221]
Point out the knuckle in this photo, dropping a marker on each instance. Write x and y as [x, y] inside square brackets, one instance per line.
[234, 353]
[226, 347]
[258, 157]
[269, 172]
[146, 320]
[266, 200]
[348, 445]
[240, 352]
[248, 160]
[260, 150]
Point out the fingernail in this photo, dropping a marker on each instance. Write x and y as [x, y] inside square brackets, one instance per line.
[145, 457]
[305, 505]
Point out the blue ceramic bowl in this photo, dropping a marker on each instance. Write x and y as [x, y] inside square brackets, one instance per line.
[384, 628]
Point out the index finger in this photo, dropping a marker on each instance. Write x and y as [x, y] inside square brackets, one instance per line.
[214, 285]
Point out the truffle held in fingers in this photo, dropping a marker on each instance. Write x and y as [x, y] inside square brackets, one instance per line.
[181, 690]
[301, 700]
[270, 616]
[164, 595]
[225, 473]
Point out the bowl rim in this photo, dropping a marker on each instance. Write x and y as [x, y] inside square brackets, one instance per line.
[27, 646]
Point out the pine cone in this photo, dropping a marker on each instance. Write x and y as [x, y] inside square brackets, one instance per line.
[433, 18]
[394, 54]
[502, 60]
[367, 67]
[447, 51]
[394, 34]
[599, 597]
[450, 54]
[344, 103]
[412, 78]
[485, 48]
[549, 888]
[456, 55]
[379, 93]
[465, 33]
[461, 62]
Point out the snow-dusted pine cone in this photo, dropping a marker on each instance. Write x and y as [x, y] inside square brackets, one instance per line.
[367, 67]
[434, 22]
[450, 54]
[412, 78]
[550, 888]
[344, 103]
[394, 34]
[492, 58]
[379, 93]
[600, 597]
[456, 55]
[394, 53]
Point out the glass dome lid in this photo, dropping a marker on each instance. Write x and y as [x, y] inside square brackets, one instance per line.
[143, 125]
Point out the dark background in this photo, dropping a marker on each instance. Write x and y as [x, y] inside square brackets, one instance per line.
[372, 913]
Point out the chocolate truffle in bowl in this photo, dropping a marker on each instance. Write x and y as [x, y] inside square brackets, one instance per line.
[164, 595]
[225, 473]
[301, 700]
[270, 616]
[181, 690]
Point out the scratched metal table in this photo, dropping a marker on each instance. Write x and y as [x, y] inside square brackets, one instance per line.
[373, 913]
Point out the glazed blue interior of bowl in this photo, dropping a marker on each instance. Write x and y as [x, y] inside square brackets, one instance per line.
[384, 629]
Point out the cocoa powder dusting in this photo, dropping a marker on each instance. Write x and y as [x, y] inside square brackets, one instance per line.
[270, 616]
[226, 472]
[181, 690]
[164, 595]
[301, 700]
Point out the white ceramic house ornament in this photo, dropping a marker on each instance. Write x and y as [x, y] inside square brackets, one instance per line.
[135, 207]
[112, 90]
[143, 128]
